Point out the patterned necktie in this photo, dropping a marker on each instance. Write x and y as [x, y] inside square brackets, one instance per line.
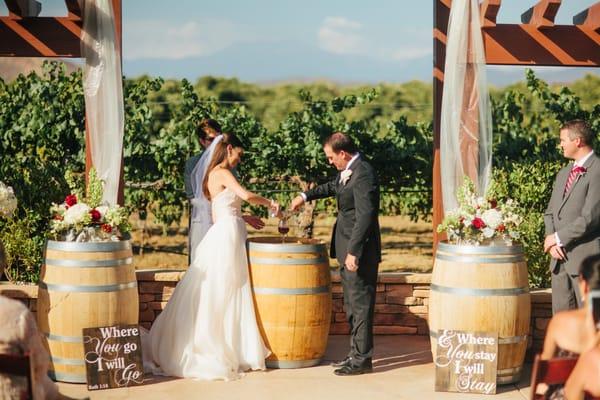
[575, 171]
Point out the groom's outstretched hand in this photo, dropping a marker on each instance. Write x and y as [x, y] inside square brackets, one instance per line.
[296, 203]
[254, 221]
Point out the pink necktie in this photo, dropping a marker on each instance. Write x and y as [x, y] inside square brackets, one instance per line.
[576, 170]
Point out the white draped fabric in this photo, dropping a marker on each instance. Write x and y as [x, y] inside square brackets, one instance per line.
[466, 121]
[103, 90]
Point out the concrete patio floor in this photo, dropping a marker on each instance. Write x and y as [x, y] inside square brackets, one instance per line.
[402, 370]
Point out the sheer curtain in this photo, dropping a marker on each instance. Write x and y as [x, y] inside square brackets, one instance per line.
[103, 90]
[466, 120]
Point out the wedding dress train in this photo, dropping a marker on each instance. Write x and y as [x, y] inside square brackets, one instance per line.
[208, 329]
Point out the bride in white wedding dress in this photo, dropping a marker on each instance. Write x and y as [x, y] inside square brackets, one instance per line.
[208, 329]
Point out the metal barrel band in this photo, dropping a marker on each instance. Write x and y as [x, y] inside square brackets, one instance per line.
[509, 371]
[78, 247]
[286, 248]
[89, 263]
[287, 261]
[479, 292]
[88, 289]
[292, 363]
[478, 259]
[67, 361]
[63, 338]
[291, 291]
[64, 377]
[473, 250]
[501, 340]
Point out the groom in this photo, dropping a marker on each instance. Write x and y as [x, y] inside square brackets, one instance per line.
[355, 242]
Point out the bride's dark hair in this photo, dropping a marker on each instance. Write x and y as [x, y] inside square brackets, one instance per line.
[219, 155]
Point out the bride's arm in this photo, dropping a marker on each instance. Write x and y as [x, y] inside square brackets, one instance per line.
[231, 183]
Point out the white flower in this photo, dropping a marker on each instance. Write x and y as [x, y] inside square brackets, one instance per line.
[487, 232]
[76, 213]
[8, 201]
[102, 210]
[345, 175]
[492, 218]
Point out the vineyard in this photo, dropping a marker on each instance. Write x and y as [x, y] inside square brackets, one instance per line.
[42, 129]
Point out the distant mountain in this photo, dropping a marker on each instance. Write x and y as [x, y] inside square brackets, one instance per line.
[11, 67]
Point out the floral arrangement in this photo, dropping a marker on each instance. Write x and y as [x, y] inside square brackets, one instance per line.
[481, 220]
[86, 219]
[8, 201]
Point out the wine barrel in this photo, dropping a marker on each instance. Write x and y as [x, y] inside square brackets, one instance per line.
[483, 289]
[291, 285]
[83, 285]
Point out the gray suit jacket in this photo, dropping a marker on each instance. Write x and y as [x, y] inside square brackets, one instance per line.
[576, 216]
[187, 175]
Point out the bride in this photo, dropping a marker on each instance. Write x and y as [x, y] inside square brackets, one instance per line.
[208, 329]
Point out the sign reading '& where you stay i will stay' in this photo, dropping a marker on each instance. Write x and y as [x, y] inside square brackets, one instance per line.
[466, 362]
[113, 357]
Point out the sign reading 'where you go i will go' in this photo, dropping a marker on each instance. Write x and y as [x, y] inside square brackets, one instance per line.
[113, 357]
[466, 362]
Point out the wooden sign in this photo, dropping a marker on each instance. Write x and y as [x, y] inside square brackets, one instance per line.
[113, 356]
[466, 362]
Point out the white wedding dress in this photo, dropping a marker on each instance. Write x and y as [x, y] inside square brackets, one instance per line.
[208, 329]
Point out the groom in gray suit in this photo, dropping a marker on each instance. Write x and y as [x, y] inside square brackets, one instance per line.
[355, 242]
[572, 219]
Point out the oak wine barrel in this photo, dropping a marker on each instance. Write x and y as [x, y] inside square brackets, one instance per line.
[83, 285]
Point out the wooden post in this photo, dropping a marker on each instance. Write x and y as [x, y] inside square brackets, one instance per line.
[441, 13]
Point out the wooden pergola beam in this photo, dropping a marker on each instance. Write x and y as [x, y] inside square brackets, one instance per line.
[589, 18]
[542, 14]
[489, 12]
[40, 36]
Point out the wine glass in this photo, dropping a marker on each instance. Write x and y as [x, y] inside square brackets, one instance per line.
[283, 229]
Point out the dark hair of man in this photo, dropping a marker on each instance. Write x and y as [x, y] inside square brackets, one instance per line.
[590, 271]
[340, 141]
[207, 125]
[579, 128]
[219, 155]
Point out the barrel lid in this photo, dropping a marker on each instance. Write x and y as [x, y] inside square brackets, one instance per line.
[291, 245]
[483, 249]
[88, 246]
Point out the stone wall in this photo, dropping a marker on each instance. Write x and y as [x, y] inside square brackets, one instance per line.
[402, 303]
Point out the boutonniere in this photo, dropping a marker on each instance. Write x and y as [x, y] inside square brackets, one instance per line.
[345, 175]
[580, 170]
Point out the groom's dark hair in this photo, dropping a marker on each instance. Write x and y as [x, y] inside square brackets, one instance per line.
[339, 141]
[207, 125]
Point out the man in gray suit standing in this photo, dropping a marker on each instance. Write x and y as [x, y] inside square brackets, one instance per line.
[572, 218]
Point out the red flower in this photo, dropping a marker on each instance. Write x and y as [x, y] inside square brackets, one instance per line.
[71, 200]
[95, 214]
[58, 217]
[106, 228]
[501, 228]
[493, 203]
[478, 223]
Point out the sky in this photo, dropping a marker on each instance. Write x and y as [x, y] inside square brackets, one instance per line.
[268, 41]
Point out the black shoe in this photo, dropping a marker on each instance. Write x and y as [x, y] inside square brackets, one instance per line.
[350, 369]
[345, 362]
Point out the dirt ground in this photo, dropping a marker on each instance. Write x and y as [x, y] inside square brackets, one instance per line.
[406, 244]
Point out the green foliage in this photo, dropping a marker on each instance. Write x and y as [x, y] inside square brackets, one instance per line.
[22, 244]
[530, 185]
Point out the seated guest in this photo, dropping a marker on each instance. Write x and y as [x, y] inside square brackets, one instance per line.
[19, 335]
[572, 332]
[585, 378]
